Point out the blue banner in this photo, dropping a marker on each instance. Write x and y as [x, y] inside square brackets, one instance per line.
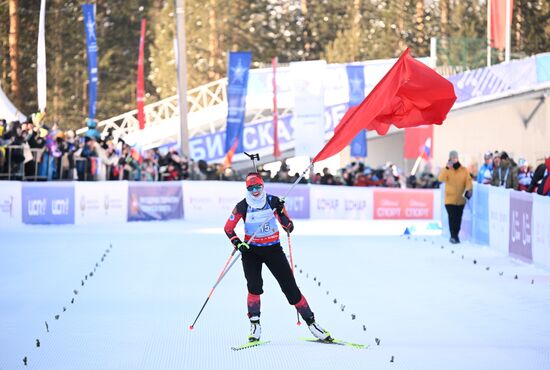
[237, 82]
[356, 83]
[481, 214]
[257, 137]
[48, 203]
[88, 11]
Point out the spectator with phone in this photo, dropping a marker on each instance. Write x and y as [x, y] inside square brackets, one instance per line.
[458, 188]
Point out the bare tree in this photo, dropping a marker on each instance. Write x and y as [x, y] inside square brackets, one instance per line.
[13, 42]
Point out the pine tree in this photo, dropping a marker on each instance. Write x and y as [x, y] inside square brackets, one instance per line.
[532, 21]
[162, 73]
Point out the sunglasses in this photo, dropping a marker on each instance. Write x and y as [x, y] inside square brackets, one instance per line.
[252, 188]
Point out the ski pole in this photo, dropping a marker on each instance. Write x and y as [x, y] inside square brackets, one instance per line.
[225, 269]
[212, 290]
[229, 264]
[292, 268]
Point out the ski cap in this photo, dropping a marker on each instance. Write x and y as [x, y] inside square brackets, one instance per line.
[254, 178]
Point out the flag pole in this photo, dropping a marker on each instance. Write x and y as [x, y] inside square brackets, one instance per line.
[508, 33]
[416, 164]
[276, 149]
[489, 33]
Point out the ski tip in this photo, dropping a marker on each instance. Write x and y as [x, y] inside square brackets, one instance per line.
[190, 327]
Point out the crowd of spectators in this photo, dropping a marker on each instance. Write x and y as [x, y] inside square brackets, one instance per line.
[33, 150]
[499, 169]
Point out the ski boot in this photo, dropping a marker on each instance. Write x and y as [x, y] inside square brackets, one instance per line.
[317, 331]
[255, 329]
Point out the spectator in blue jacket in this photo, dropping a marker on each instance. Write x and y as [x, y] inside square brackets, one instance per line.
[485, 174]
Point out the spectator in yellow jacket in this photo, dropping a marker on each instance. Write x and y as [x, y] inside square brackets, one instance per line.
[458, 188]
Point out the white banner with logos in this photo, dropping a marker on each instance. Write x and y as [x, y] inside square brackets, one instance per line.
[10, 203]
[499, 216]
[541, 230]
[309, 106]
[338, 202]
[101, 202]
[211, 200]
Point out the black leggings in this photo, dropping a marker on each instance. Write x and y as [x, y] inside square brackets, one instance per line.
[275, 260]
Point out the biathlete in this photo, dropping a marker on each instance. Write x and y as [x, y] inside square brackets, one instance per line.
[257, 210]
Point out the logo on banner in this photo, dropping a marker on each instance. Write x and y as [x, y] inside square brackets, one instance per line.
[6, 206]
[521, 211]
[297, 203]
[47, 204]
[403, 204]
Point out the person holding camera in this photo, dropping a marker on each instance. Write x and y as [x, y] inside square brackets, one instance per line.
[458, 188]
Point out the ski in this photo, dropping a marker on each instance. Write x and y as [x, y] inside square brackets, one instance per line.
[250, 344]
[337, 342]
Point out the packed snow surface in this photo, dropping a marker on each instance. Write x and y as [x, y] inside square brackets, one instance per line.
[430, 304]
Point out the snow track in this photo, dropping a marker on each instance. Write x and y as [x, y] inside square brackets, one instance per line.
[430, 305]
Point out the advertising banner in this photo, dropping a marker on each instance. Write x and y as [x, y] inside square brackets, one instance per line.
[10, 203]
[101, 202]
[297, 202]
[309, 106]
[480, 199]
[154, 201]
[211, 200]
[88, 11]
[467, 222]
[356, 83]
[499, 214]
[444, 215]
[339, 202]
[403, 204]
[48, 203]
[239, 64]
[521, 228]
[541, 230]
[258, 137]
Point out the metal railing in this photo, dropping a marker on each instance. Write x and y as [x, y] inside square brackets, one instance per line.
[15, 164]
[213, 94]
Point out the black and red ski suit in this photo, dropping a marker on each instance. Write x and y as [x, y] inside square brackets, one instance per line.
[266, 248]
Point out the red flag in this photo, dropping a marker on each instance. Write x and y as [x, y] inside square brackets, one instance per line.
[276, 149]
[140, 93]
[410, 94]
[498, 22]
[229, 156]
[415, 142]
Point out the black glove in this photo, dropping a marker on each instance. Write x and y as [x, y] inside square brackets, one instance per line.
[467, 194]
[289, 227]
[240, 245]
[279, 205]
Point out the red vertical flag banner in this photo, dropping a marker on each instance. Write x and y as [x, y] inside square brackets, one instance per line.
[140, 93]
[498, 22]
[410, 94]
[276, 149]
[415, 141]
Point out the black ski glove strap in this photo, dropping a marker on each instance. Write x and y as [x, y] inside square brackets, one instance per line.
[280, 206]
